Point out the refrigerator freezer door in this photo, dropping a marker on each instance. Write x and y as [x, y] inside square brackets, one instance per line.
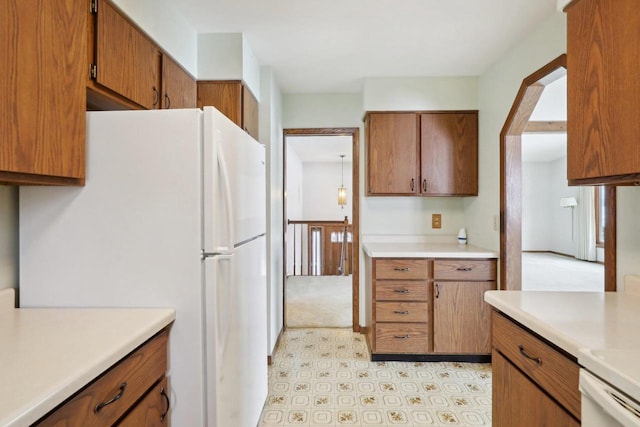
[234, 184]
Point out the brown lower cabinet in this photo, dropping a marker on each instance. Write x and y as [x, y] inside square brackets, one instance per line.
[534, 383]
[133, 392]
[517, 401]
[429, 309]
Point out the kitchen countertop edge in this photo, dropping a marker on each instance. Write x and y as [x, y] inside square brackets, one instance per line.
[42, 402]
[425, 250]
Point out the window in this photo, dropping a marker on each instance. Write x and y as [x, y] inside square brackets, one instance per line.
[601, 212]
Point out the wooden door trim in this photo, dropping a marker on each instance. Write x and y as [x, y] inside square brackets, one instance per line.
[511, 182]
[355, 203]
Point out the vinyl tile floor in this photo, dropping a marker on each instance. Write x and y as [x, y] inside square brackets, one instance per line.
[324, 377]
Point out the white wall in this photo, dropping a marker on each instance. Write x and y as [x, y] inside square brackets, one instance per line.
[420, 93]
[497, 89]
[561, 218]
[168, 28]
[8, 237]
[228, 56]
[628, 225]
[270, 132]
[545, 225]
[320, 190]
[536, 206]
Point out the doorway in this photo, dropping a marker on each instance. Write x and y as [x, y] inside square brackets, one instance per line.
[511, 170]
[321, 245]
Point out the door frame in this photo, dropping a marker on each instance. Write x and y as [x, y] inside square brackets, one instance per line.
[355, 203]
[511, 182]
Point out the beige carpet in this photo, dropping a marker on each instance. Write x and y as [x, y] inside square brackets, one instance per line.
[318, 302]
[551, 272]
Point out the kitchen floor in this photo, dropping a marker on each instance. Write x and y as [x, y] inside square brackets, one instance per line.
[324, 377]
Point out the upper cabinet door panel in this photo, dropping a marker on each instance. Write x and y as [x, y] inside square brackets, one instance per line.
[249, 113]
[178, 88]
[603, 91]
[392, 153]
[128, 62]
[43, 47]
[449, 153]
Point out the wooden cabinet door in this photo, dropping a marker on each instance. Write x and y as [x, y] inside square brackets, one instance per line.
[152, 410]
[392, 154]
[127, 62]
[603, 91]
[449, 153]
[43, 47]
[178, 88]
[519, 402]
[225, 96]
[461, 318]
[250, 113]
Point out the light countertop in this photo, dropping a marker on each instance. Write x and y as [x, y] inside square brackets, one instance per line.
[46, 355]
[599, 329]
[425, 250]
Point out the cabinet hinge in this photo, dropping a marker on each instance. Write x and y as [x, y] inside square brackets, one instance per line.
[93, 7]
[93, 71]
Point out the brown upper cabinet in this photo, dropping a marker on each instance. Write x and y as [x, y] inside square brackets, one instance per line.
[178, 88]
[43, 47]
[234, 100]
[128, 70]
[431, 153]
[603, 92]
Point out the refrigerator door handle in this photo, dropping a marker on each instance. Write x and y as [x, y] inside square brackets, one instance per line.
[227, 200]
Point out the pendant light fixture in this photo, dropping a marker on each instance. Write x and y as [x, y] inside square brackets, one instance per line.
[342, 192]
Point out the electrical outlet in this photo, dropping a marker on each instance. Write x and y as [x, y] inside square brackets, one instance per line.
[436, 221]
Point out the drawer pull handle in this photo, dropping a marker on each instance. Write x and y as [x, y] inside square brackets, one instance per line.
[401, 268]
[101, 405]
[164, 394]
[401, 312]
[402, 337]
[401, 291]
[524, 353]
[464, 268]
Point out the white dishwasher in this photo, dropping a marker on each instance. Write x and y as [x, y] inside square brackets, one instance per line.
[610, 387]
[603, 405]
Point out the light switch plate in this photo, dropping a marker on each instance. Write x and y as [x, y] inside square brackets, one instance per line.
[436, 221]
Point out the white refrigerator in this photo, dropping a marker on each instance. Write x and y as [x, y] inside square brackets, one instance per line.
[172, 215]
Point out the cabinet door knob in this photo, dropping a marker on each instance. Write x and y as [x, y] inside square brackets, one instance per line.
[412, 184]
[424, 185]
[164, 394]
[402, 337]
[437, 290]
[156, 96]
[524, 353]
[101, 405]
[167, 101]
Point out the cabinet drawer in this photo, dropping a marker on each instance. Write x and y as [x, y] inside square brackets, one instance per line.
[130, 379]
[402, 312]
[152, 410]
[463, 269]
[402, 338]
[402, 291]
[550, 369]
[416, 269]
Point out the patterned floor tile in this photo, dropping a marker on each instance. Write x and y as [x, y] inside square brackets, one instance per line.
[324, 377]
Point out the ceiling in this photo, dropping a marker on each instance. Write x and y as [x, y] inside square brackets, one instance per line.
[329, 46]
[552, 106]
